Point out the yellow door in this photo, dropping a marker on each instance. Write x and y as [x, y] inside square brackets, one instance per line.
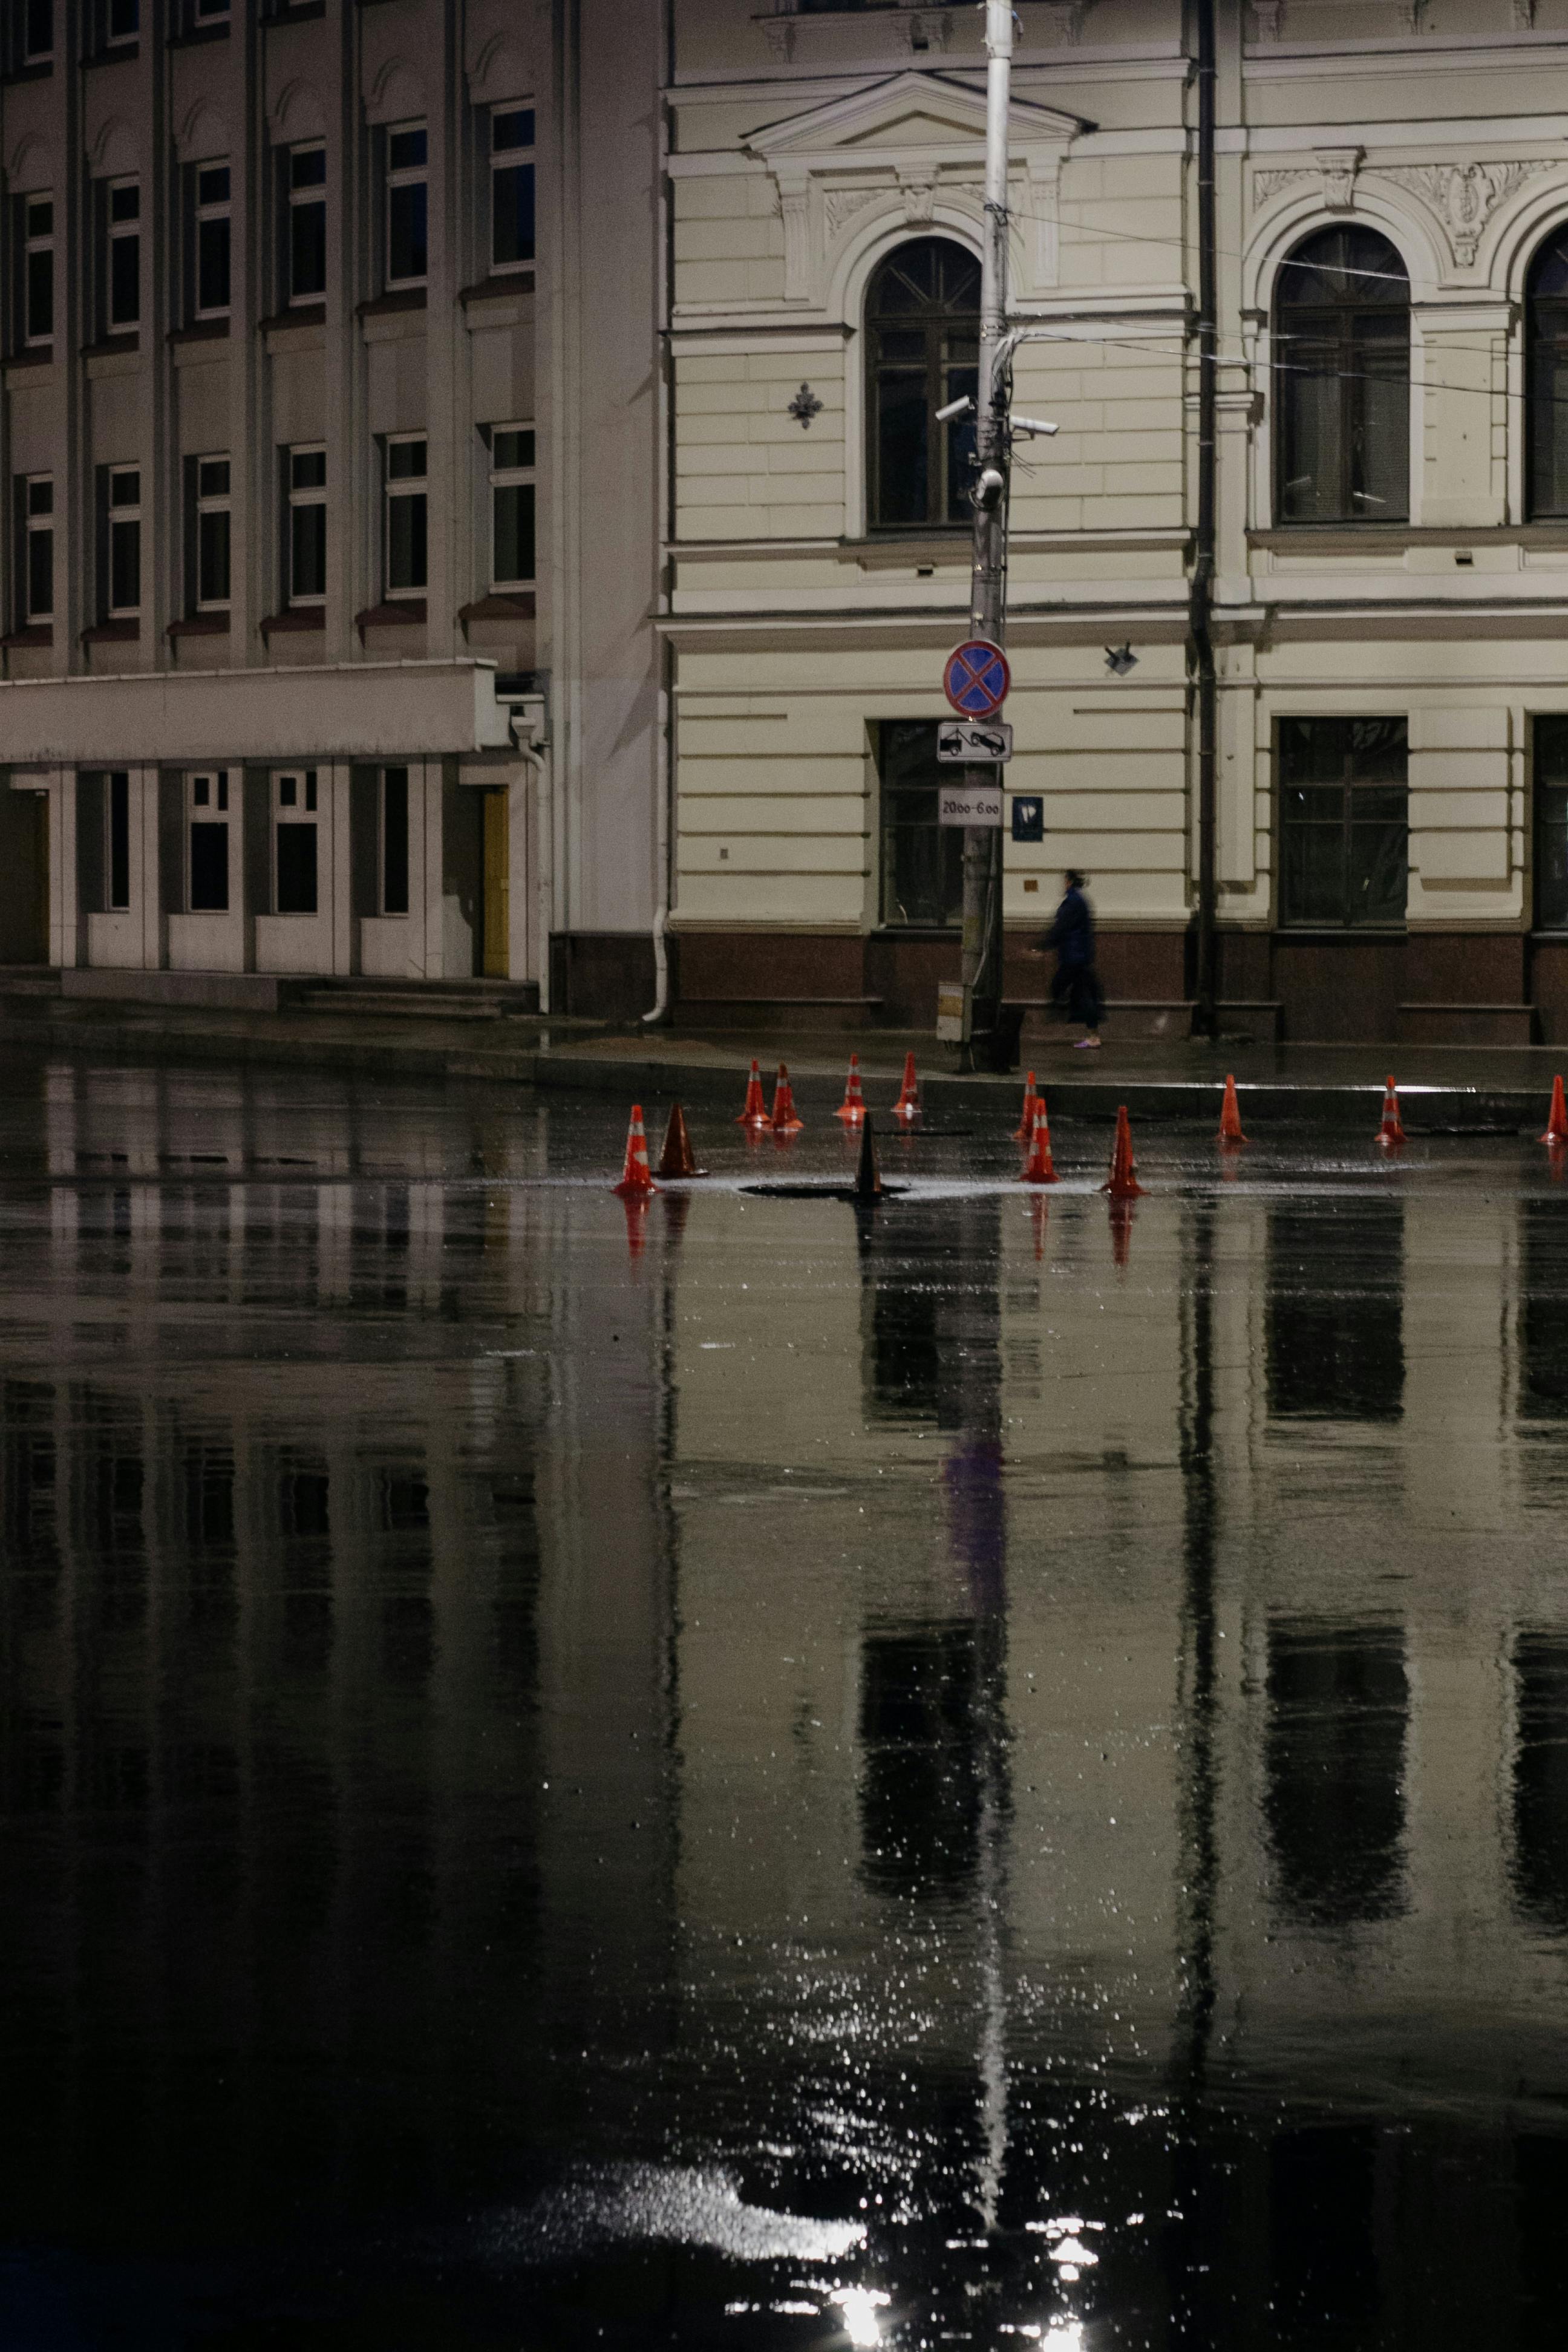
[498, 887]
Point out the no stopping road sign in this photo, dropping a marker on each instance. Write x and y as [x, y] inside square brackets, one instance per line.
[977, 679]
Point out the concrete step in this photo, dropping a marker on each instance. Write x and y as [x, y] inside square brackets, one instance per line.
[417, 1000]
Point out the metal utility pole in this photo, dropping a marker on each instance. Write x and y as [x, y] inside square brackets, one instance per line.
[1200, 632]
[982, 966]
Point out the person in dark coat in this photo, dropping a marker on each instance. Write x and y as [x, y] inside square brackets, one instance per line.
[1075, 983]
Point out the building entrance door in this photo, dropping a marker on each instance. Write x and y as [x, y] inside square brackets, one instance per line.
[23, 877]
[498, 887]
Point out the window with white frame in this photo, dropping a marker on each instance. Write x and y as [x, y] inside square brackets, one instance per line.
[511, 187]
[305, 474]
[211, 510]
[207, 842]
[406, 529]
[37, 268]
[407, 196]
[295, 889]
[123, 271]
[35, 553]
[210, 239]
[122, 511]
[305, 230]
[511, 506]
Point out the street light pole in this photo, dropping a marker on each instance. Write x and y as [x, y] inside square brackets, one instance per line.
[982, 964]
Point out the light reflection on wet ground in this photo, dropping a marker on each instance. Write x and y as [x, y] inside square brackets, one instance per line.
[750, 1773]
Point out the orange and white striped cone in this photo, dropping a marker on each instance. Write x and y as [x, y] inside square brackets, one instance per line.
[1230, 1117]
[1039, 1169]
[637, 1180]
[755, 1114]
[1556, 1133]
[1122, 1182]
[1391, 1134]
[852, 1109]
[907, 1109]
[783, 1120]
[1024, 1130]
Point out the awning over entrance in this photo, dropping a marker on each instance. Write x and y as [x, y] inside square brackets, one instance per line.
[359, 710]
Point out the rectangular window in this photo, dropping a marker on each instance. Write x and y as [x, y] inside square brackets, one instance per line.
[37, 269]
[294, 872]
[36, 569]
[394, 841]
[122, 21]
[210, 534]
[305, 473]
[37, 31]
[1550, 763]
[1343, 822]
[305, 236]
[511, 506]
[922, 861]
[117, 863]
[211, 240]
[407, 193]
[123, 581]
[207, 844]
[124, 271]
[511, 187]
[406, 549]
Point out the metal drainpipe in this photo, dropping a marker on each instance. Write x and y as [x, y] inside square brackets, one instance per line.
[663, 782]
[1200, 603]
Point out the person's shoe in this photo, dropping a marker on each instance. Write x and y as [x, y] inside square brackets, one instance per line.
[1088, 1045]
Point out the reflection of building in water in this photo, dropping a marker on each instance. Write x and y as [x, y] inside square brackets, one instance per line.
[1540, 1779]
[1336, 1305]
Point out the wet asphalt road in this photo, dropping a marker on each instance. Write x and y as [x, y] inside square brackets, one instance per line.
[746, 1774]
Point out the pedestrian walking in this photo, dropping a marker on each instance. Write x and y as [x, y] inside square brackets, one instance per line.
[1075, 984]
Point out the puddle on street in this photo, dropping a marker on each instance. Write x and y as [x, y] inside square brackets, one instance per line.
[752, 1772]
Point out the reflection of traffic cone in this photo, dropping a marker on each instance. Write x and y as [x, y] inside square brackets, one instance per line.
[1123, 1184]
[1230, 1117]
[636, 1205]
[634, 1177]
[1391, 1133]
[676, 1158]
[868, 1175]
[1557, 1120]
[756, 1111]
[783, 1120]
[1024, 1130]
[1039, 1213]
[908, 1107]
[676, 1208]
[852, 1109]
[1122, 1215]
[1038, 1167]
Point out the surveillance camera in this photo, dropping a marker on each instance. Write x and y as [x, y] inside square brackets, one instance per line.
[1030, 424]
[1120, 659]
[989, 487]
[960, 407]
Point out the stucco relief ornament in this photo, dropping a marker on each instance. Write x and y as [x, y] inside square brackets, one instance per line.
[1268, 15]
[1463, 195]
[918, 193]
[805, 407]
[840, 205]
[1267, 186]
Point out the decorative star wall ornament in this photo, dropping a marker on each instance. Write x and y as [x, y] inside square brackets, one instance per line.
[805, 407]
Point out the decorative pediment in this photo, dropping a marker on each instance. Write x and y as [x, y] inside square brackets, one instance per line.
[910, 151]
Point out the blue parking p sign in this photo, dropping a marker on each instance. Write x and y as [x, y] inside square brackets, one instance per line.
[1029, 818]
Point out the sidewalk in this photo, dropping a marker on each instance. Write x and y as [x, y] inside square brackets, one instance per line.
[1467, 1087]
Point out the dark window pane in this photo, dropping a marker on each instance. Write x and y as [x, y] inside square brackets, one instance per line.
[213, 559]
[512, 215]
[1552, 858]
[514, 556]
[1312, 873]
[922, 328]
[125, 566]
[296, 870]
[212, 265]
[1378, 870]
[307, 249]
[1344, 821]
[209, 870]
[405, 537]
[1342, 362]
[1338, 1700]
[40, 295]
[923, 862]
[119, 840]
[308, 571]
[394, 842]
[308, 469]
[405, 149]
[124, 281]
[308, 168]
[406, 255]
[41, 574]
[39, 23]
[902, 477]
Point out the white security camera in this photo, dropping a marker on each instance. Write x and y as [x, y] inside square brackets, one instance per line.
[960, 407]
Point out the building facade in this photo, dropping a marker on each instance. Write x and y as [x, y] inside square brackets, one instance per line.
[317, 389]
[1391, 567]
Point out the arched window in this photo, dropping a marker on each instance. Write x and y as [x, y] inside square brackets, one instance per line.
[922, 344]
[1546, 325]
[1342, 381]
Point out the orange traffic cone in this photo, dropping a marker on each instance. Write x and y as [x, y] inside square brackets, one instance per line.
[1557, 1119]
[676, 1158]
[756, 1111]
[908, 1107]
[1024, 1130]
[1391, 1134]
[635, 1176]
[1038, 1168]
[783, 1120]
[852, 1109]
[1122, 1182]
[1230, 1117]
